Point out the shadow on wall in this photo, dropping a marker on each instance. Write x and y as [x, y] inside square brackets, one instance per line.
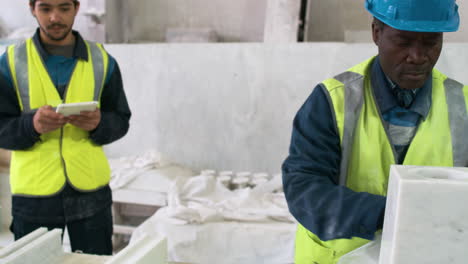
[3, 29]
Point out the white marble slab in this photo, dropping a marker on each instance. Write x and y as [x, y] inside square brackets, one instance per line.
[226, 242]
[44, 247]
[38, 247]
[146, 250]
[426, 216]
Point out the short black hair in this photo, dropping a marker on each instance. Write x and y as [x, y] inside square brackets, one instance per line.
[379, 24]
[33, 2]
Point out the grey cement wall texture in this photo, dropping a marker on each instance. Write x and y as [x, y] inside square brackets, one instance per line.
[231, 106]
[235, 21]
[281, 21]
[147, 21]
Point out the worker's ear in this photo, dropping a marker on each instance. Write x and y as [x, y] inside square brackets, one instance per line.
[376, 31]
[31, 8]
[77, 5]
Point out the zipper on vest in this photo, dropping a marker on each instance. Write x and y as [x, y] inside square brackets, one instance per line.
[61, 129]
[61, 155]
[63, 100]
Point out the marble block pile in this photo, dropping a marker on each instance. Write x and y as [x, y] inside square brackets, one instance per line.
[44, 247]
[426, 216]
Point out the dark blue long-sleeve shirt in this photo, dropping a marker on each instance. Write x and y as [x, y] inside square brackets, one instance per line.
[310, 172]
[17, 133]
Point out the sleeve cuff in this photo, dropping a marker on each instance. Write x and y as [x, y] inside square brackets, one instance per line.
[373, 221]
[29, 126]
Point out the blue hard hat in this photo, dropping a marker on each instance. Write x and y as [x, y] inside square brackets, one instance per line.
[416, 15]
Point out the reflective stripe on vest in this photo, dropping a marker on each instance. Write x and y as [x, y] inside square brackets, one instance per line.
[21, 78]
[66, 154]
[353, 105]
[458, 118]
[366, 160]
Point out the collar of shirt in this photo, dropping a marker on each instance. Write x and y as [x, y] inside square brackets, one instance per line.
[394, 86]
[383, 90]
[80, 51]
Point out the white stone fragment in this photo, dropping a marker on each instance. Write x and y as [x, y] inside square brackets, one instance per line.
[39, 248]
[146, 250]
[21, 242]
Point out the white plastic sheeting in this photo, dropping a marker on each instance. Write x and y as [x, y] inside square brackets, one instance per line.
[144, 179]
[204, 199]
[128, 168]
[207, 223]
[229, 242]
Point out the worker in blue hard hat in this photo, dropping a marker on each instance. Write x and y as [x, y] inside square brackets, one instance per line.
[394, 108]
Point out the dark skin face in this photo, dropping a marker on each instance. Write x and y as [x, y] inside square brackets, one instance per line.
[406, 57]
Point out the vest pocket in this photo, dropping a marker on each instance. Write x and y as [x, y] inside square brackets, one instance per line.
[87, 165]
[320, 253]
[36, 172]
[310, 250]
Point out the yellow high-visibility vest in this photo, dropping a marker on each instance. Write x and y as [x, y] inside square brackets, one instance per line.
[66, 154]
[367, 152]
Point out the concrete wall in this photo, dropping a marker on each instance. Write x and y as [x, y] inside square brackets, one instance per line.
[16, 14]
[147, 21]
[243, 20]
[324, 26]
[235, 21]
[338, 20]
[282, 21]
[231, 106]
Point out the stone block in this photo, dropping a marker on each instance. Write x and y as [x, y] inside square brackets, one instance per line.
[425, 218]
